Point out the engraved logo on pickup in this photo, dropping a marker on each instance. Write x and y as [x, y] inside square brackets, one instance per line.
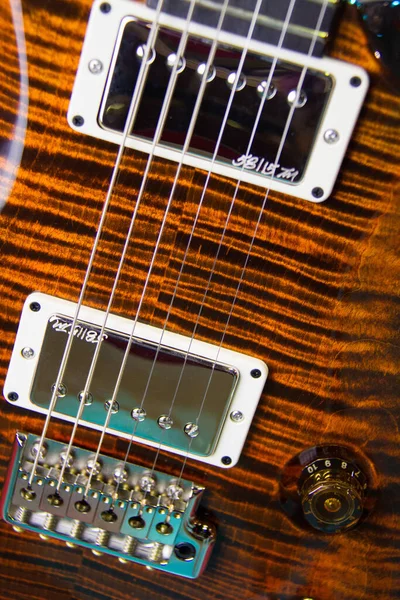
[263, 166]
[81, 332]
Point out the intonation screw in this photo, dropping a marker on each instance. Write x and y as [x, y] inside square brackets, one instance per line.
[28, 352]
[165, 422]
[95, 66]
[236, 416]
[331, 136]
[191, 429]
[138, 414]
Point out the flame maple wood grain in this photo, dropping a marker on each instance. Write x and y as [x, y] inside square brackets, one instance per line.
[319, 303]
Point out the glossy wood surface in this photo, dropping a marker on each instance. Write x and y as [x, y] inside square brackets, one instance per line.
[320, 304]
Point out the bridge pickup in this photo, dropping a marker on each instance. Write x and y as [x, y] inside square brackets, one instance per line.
[243, 143]
[134, 515]
[187, 396]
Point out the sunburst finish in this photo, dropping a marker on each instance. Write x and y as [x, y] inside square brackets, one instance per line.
[319, 303]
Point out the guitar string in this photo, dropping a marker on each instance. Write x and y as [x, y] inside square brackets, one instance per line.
[157, 136]
[255, 231]
[131, 117]
[185, 148]
[262, 103]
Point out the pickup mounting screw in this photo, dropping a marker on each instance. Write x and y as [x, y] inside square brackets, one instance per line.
[105, 7]
[28, 352]
[331, 136]
[317, 192]
[95, 66]
[78, 121]
[355, 81]
[237, 416]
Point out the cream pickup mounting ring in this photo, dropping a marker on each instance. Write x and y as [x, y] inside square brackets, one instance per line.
[315, 100]
[177, 392]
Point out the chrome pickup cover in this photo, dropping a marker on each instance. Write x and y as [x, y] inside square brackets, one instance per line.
[319, 128]
[147, 518]
[166, 374]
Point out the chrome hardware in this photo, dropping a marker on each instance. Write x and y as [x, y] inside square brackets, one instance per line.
[156, 530]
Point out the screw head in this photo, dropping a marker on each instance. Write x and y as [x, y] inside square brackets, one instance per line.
[256, 373]
[95, 66]
[331, 136]
[109, 516]
[105, 7]
[317, 192]
[13, 396]
[299, 99]
[164, 528]
[138, 414]
[35, 306]
[93, 467]
[82, 506]
[236, 416]
[262, 89]
[62, 390]
[165, 422]
[226, 460]
[191, 429]
[355, 81]
[120, 474]
[114, 408]
[147, 483]
[78, 121]
[137, 522]
[28, 352]
[185, 551]
[88, 398]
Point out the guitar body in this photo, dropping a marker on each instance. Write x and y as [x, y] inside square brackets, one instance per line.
[319, 304]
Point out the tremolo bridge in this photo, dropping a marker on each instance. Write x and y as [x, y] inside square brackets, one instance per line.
[128, 512]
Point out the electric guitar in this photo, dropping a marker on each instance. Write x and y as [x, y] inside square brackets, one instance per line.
[200, 293]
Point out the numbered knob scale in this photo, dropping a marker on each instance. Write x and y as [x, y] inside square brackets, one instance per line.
[332, 493]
